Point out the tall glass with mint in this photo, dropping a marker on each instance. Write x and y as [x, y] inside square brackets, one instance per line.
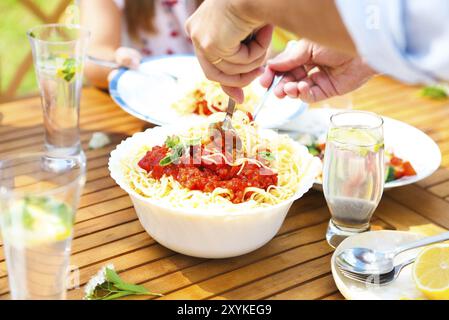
[353, 172]
[39, 195]
[59, 51]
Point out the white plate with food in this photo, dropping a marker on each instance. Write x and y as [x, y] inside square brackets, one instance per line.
[172, 89]
[402, 288]
[410, 154]
[196, 198]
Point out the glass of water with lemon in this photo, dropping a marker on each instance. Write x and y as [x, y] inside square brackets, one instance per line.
[39, 195]
[59, 51]
[353, 173]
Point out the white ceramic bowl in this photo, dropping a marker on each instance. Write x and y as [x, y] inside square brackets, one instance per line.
[199, 232]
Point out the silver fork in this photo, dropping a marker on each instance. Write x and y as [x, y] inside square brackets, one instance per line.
[276, 80]
[224, 129]
[377, 279]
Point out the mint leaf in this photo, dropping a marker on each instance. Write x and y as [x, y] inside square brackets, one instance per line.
[68, 70]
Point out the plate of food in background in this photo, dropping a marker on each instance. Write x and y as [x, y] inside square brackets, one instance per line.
[410, 154]
[172, 89]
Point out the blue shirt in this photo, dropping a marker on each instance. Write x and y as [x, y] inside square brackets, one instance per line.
[407, 39]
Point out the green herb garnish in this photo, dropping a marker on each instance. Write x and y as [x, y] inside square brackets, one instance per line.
[107, 285]
[68, 69]
[434, 92]
[172, 141]
[390, 174]
[267, 155]
[313, 150]
[35, 205]
[178, 147]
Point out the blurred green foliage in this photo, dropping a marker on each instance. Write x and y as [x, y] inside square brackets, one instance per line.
[15, 20]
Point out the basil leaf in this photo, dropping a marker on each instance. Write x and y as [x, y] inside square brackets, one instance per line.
[165, 161]
[172, 141]
[313, 150]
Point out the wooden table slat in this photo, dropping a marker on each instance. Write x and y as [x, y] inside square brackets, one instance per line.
[294, 265]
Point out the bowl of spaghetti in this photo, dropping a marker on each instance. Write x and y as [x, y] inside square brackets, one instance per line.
[196, 196]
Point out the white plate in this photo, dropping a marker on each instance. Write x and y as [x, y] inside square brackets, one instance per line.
[148, 95]
[402, 288]
[406, 141]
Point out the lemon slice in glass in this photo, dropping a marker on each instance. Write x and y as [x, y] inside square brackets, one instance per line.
[431, 272]
[38, 220]
[361, 139]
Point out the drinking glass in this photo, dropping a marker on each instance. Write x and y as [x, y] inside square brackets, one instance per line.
[39, 195]
[353, 172]
[59, 52]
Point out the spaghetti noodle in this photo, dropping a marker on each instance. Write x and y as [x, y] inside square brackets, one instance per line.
[207, 98]
[190, 171]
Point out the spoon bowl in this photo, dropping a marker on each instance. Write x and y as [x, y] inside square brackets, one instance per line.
[369, 261]
[365, 261]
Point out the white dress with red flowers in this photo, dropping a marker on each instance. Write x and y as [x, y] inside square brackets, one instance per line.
[169, 38]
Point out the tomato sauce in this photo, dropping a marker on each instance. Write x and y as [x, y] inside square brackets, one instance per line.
[195, 173]
[201, 105]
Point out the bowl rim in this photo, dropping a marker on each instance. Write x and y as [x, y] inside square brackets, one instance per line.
[117, 177]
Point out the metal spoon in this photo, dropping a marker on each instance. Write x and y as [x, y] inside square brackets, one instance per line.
[369, 261]
[115, 65]
[380, 279]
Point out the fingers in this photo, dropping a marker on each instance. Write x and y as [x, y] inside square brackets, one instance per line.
[255, 49]
[306, 90]
[233, 69]
[128, 57]
[234, 93]
[293, 57]
[235, 80]
[293, 76]
[267, 77]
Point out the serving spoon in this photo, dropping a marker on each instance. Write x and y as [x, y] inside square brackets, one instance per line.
[368, 261]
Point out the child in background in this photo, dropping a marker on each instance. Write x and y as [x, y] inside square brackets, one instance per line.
[126, 30]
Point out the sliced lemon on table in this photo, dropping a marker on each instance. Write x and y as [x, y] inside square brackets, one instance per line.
[431, 272]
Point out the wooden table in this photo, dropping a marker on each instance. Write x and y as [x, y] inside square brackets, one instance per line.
[294, 265]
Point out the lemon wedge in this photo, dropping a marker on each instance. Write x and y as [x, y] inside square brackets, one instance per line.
[431, 272]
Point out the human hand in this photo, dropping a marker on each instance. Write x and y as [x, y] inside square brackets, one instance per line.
[315, 73]
[125, 57]
[217, 30]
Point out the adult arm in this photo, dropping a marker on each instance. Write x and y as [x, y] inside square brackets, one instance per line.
[219, 27]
